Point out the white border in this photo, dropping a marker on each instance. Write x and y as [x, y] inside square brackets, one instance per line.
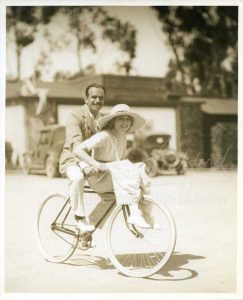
[123, 2]
[240, 159]
[2, 141]
[4, 3]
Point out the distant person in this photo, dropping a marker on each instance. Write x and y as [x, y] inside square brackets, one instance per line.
[81, 124]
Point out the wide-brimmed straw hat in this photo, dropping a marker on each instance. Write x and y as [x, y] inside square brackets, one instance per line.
[123, 110]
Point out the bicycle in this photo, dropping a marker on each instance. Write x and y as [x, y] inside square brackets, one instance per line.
[134, 251]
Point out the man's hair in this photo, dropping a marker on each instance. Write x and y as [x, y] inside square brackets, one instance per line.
[96, 85]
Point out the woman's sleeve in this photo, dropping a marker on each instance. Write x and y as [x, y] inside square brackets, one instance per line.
[94, 142]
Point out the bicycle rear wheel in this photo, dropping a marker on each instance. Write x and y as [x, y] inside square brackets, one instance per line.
[56, 232]
[147, 253]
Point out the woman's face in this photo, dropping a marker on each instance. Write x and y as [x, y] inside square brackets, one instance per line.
[122, 124]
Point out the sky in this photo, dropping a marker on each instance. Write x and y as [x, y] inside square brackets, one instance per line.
[152, 53]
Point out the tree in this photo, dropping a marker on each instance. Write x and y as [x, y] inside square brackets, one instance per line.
[125, 35]
[204, 42]
[20, 26]
[80, 20]
[83, 21]
[21, 23]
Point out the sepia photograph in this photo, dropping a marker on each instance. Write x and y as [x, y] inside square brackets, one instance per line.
[121, 140]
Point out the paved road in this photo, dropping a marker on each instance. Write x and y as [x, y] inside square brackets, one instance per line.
[203, 204]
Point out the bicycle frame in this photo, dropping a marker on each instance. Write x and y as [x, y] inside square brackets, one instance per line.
[87, 190]
[127, 253]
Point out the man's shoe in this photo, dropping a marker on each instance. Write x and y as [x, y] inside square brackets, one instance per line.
[84, 226]
[138, 221]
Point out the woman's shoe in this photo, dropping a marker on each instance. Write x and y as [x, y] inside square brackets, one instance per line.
[138, 221]
[156, 226]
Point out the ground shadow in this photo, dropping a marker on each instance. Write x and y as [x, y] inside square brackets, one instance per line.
[91, 261]
[170, 272]
[175, 265]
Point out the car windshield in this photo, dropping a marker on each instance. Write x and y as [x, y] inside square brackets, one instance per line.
[162, 140]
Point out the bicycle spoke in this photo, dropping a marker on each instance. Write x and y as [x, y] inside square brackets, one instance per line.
[141, 256]
[56, 244]
[155, 253]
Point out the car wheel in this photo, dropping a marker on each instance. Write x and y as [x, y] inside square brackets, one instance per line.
[26, 164]
[181, 169]
[151, 167]
[51, 167]
[138, 155]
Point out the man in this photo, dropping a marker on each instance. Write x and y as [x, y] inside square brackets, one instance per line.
[81, 124]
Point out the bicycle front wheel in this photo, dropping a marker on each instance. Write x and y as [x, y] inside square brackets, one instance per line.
[55, 228]
[139, 252]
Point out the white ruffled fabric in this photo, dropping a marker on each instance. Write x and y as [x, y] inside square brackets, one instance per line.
[130, 181]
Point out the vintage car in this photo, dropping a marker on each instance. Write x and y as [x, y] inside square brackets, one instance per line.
[44, 157]
[153, 148]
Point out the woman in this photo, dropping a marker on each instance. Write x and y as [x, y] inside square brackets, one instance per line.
[107, 148]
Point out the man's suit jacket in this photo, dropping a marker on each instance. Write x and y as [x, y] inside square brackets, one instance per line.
[80, 126]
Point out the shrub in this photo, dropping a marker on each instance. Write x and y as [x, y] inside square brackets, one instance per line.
[224, 144]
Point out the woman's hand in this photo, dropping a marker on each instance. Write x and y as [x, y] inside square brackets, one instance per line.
[102, 167]
[95, 166]
[95, 169]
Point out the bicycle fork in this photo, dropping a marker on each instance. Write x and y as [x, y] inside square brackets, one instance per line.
[131, 228]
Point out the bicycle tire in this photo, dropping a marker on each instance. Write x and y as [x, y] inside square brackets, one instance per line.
[136, 271]
[61, 240]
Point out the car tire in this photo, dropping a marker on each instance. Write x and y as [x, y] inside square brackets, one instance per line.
[151, 167]
[181, 169]
[26, 164]
[51, 167]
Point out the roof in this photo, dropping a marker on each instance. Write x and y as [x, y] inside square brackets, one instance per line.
[220, 107]
[214, 106]
[132, 90]
[60, 89]
[155, 132]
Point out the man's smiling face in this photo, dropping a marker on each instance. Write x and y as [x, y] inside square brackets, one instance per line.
[95, 100]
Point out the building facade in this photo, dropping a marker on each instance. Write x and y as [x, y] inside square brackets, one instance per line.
[189, 121]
